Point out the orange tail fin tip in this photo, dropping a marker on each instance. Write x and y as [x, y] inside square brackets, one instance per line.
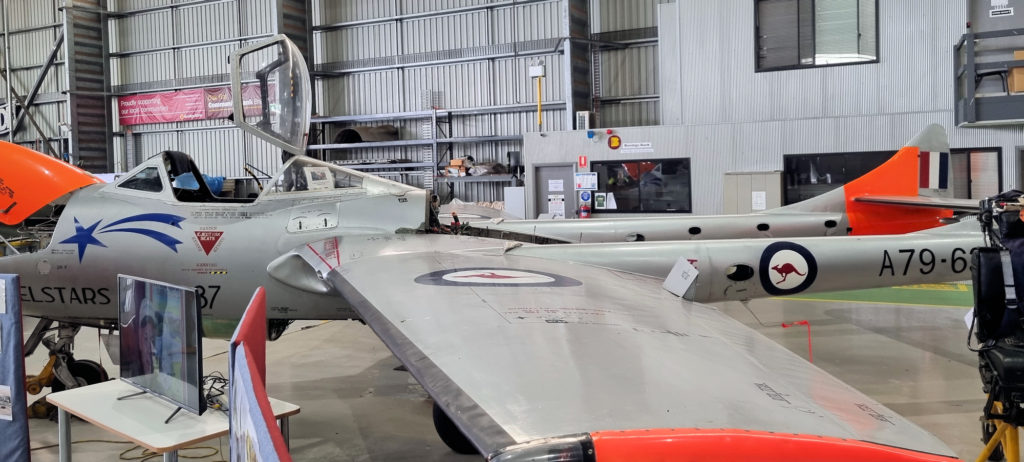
[29, 180]
[898, 176]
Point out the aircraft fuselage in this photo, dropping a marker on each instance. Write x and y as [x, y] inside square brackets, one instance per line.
[221, 249]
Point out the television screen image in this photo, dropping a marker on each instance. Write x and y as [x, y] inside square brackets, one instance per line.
[160, 341]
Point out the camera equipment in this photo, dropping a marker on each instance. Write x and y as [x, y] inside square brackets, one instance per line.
[997, 271]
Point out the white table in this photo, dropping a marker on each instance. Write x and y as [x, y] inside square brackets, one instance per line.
[141, 418]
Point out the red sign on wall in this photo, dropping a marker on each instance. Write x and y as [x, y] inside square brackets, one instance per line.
[183, 105]
[155, 108]
[583, 161]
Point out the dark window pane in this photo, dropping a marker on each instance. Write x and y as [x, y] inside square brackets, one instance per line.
[810, 175]
[643, 186]
[808, 33]
[778, 33]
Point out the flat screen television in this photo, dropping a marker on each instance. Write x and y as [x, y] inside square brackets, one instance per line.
[160, 341]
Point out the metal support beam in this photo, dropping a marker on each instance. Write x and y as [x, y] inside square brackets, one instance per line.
[7, 64]
[31, 98]
[32, 120]
[577, 56]
[427, 14]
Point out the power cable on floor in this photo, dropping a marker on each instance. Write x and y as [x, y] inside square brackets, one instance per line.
[146, 454]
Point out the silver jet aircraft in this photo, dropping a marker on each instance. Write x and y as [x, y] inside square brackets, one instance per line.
[527, 350]
[882, 201]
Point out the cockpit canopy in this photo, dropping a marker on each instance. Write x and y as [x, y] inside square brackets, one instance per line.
[270, 89]
[305, 174]
[175, 176]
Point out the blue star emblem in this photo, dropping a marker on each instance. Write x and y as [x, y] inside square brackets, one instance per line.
[84, 238]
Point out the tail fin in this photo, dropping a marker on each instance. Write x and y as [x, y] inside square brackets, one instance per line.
[29, 180]
[922, 163]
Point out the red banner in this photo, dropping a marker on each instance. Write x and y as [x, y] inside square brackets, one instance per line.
[155, 108]
[218, 103]
[178, 106]
[251, 103]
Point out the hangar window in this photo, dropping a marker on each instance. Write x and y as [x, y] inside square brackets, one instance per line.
[792, 34]
[973, 172]
[643, 186]
[809, 175]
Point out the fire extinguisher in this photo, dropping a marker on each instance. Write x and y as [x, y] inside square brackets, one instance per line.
[584, 211]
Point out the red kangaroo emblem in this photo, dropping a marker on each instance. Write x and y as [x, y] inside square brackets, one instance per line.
[785, 270]
[490, 275]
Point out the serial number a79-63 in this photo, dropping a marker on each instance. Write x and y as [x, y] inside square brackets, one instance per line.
[924, 261]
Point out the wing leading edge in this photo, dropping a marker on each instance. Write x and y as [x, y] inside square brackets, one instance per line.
[518, 350]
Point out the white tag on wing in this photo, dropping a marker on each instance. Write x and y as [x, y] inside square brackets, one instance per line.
[681, 277]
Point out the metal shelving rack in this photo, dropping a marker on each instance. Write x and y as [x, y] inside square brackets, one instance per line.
[439, 142]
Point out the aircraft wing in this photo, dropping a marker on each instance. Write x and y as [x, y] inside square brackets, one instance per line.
[957, 205]
[520, 350]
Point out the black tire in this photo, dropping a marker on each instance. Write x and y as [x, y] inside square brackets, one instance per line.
[987, 430]
[450, 433]
[85, 372]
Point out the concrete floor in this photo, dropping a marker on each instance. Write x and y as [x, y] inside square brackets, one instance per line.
[356, 407]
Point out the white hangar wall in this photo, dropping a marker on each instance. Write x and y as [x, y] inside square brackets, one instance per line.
[726, 117]
[715, 149]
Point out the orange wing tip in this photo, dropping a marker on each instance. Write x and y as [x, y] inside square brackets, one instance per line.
[705, 445]
[709, 445]
[29, 180]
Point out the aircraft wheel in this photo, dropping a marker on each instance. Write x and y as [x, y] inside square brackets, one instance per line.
[85, 372]
[450, 433]
[987, 430]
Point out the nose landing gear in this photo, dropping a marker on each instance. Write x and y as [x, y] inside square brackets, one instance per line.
[62, 371]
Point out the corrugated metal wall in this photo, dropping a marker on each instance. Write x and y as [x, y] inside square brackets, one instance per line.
[395, 63]
[464, 54]
[34, 27]
[611, 15]
[627, 79]
[912, 75]
[201, 38]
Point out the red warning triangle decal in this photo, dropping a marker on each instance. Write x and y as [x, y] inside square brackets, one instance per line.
[208, 239]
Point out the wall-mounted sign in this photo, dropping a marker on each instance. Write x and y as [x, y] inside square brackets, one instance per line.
[556, 205]
[582, 162]
[586, 181]
[758, 200]
[184, 105]
[1000, 12]
[614, 142]
[634, 148]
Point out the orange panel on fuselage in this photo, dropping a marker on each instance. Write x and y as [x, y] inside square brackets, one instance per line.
[29, 180]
